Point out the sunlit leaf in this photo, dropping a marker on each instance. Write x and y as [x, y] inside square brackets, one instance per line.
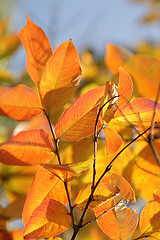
[110, 96]
[150, 216]
[115, 56]
[78, 120]
[114, 218]
[60, 78]
[102, 193]
[126, 191]
[143, 171]
[145, 72]
[37, 47]
[49, 219]
[45, 186]
[113, 140]
[119, 222]
[125, 87]
[138, 111]
[27, 148]
[19, 103]
[68, 171]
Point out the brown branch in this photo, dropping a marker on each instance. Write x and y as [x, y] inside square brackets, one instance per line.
[60, 163]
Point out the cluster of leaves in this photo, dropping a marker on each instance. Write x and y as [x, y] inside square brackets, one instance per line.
[66, 134]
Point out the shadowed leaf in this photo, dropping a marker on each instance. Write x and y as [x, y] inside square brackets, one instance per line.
[102, 193]
[68, 171]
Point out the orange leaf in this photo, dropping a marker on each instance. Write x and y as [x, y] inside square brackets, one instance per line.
[145, 72]
[17, 234]
[68, 171]
[45, 186]
[138, 111]
[150, 216]
[27, 148]
[102, 193]
[60, 77]
[19, 103]
[9, 44]
[110, 108]
[143, 171]
[119, 222]
[37, 47]
[78, 120]
[113, 140]
[114, 218]
[115, 56]
[125, 87]
[49, 219]
[126, 191]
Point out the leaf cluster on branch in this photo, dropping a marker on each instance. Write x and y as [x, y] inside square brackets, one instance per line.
[67, 137]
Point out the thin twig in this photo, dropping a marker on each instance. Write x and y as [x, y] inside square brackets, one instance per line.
[151, 135]
[96, 135]
[59, 160]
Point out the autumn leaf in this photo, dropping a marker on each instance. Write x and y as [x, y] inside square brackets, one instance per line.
[45, 186]
[37, 47]
[67, 172]
[49, 219]
[60, 78]
[9, 44]
[115, 56]
[113, 217]
[139, 111]
[27, 148]
[102, 193]
[145, 72]
[119, 222]
[143, 171]
[78, 120]
[150, 217]
[19, 103]
[125, 87]
[113, 140]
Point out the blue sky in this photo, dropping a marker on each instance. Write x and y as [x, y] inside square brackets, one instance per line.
[89, 23]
